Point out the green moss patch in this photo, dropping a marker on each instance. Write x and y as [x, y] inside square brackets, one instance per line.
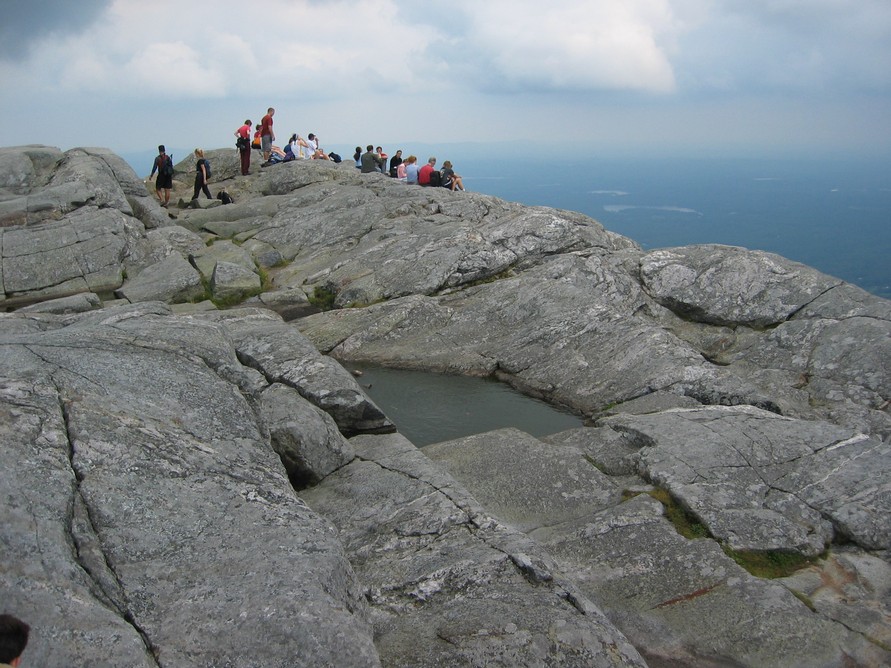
[322, 298]
[770, 564]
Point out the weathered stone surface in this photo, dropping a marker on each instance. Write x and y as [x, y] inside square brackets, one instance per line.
[42, 579]
[567, 486]
[233, 283]
[283, 355]
[289, 304]
[723, 285]
[24, 168]
[852, 587]
[759, 481]
[305, 437]
[144, 435]
[447, 584]
[81, 253]
[679, 600]
[176, 426]
[205, 259]
[85, 301]
[159, 244]
[600, 341]
[172, 279]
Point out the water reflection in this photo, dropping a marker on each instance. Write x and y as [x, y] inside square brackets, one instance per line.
[430, 407]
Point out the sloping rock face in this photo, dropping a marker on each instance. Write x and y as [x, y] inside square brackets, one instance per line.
[170, 534]
[684, 602]
[196, 485]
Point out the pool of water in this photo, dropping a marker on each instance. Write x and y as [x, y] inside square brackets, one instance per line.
[430, 407]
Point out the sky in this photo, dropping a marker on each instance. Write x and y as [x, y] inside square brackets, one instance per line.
[545, 78]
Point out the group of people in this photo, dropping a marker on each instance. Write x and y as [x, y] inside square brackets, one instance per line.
[408, 170]
[373, 159]
[297, 147]
[163, 165]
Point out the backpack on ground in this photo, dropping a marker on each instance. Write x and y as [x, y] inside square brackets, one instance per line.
[435, 178]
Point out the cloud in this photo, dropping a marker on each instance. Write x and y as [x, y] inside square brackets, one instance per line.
[570, 45]
[27, 21]
[793, 45]
[385, 68]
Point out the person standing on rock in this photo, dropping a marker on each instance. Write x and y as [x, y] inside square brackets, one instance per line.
[13, 640]
[267, 136]
[243, 142]
[201, 175]
[163, 164]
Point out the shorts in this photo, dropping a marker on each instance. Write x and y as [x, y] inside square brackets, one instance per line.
[266, 143]
[164, 182]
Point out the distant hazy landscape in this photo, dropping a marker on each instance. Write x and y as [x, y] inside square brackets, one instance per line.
[832, 214]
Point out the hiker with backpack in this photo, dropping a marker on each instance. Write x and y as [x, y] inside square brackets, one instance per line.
[202, 173]
[243, 144]
[163, 164]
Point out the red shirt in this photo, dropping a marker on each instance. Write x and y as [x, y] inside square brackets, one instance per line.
[266, 125]
[424, 174]
[244, 131]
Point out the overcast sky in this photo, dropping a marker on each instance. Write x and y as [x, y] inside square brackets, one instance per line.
[723, 76]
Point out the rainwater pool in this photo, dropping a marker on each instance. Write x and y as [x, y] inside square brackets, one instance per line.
[430, 407]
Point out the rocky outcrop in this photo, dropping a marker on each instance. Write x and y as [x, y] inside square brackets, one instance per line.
[684, 602]
[193, 484]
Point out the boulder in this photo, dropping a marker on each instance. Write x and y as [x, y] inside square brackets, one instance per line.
[82, 252]
[726, 285]
[172, 279]
[305, 437]
[206, 258]
[233, 283]
[78, 303]
[265, 343]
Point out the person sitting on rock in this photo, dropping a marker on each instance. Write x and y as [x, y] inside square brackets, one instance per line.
[317, 153]
[411, 169]
[395, 161]
[371, 161]
[451, 180]
[425, 173]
